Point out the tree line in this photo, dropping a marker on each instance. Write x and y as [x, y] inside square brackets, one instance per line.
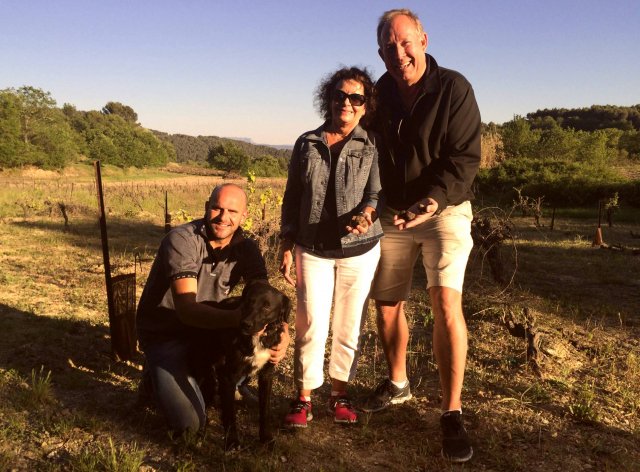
[588, 119]
[229, 155]
[34, 131]
[542, 155]
[570, 156]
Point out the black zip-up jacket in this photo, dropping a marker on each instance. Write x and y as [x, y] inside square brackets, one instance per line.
[434, 150]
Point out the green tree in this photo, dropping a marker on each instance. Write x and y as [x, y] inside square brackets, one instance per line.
[101, 148]
[114, 140]
[45, 135]
[55, 141]
[228, 157]
[124, 111]
[630, 143]
[556, 144]
[518, 139]
[594, 149]
[589, 119]
[269, 166]
[35, 106]
[11, 143]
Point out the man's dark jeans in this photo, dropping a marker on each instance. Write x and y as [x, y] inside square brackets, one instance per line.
[175, 369]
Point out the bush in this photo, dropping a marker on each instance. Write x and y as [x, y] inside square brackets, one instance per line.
[564, 166]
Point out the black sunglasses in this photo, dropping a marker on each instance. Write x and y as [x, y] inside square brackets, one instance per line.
[355, 99]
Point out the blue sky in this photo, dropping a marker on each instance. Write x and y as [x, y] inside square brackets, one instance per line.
[249, 68]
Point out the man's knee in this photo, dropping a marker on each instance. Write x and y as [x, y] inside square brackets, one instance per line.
[185, 421]
[447, 305]
[388, 312]
[180, 401]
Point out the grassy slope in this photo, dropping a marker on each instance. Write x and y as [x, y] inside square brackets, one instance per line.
[582, 412]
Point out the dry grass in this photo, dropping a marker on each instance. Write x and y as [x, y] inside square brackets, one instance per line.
[581, 413]
[491, 143]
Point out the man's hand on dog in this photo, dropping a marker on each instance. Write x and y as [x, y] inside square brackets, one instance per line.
[279, 351]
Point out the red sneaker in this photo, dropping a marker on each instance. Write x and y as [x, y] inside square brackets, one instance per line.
[342, 410]
[299, 414]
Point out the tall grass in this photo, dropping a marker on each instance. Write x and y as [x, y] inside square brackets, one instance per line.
[40, 392]
[110, 458]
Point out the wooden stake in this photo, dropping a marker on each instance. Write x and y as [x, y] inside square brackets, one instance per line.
[597, 240]
[167, 216]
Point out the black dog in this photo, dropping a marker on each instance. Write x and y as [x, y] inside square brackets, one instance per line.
[245, 352]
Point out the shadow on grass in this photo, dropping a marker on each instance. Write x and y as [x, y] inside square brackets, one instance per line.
[577, 282]
[99, 393]
[126, 237]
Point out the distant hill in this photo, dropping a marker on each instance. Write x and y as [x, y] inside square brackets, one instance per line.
[588, 119]
[287, 147]
[196, 149]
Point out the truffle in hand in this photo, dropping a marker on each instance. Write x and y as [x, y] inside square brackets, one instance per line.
[407, 215]
[358, 220]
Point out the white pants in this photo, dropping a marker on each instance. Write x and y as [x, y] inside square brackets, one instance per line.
[319, 281]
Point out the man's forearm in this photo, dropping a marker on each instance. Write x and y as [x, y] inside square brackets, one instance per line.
[200, 315]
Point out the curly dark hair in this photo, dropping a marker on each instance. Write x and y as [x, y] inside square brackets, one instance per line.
[324, 92]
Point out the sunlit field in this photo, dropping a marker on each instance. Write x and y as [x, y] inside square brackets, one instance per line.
[66, 404]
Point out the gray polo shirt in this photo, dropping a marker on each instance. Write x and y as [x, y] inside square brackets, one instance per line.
[185, 252]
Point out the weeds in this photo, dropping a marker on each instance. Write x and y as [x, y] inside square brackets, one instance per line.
[583, 405]
[6, 460]
[187, 466]
[187, 440]
[40, 392]
[109, 459]
[536, 393]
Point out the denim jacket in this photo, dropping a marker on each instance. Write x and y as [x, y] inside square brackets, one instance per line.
[357, 186]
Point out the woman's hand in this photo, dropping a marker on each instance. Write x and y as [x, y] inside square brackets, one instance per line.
[361, 222]
[286, 260]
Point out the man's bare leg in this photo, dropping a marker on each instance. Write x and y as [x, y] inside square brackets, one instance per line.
[393, 333]
[449, 343]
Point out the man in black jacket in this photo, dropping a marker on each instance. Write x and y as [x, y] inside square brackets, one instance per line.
[430, 127]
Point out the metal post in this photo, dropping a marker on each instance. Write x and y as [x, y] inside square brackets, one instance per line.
[121, 293]
[167, 216]
[105, 249]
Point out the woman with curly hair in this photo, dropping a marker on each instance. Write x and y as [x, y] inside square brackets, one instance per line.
[329, 217]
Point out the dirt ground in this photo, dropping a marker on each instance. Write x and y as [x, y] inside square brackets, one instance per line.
[577, 411]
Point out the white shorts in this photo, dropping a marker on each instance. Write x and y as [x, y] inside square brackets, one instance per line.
[444, 241]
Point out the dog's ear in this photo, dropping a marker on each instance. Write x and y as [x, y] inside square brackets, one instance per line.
[285, 310]
[247, 287]
[252, 284]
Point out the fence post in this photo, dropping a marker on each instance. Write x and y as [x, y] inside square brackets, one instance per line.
[597, 240]
[167, 216]
[121, 296]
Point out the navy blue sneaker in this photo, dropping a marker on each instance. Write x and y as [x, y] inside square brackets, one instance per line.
[456, 446]
[384, 395]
